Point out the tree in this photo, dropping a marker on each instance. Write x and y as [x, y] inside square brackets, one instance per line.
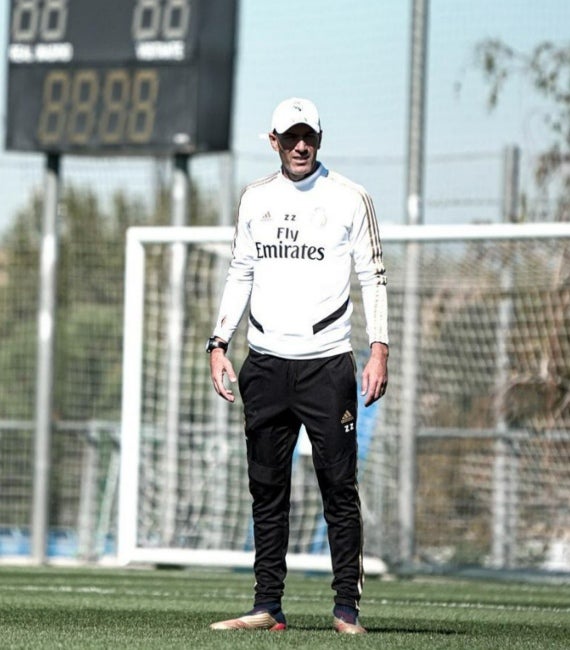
[547, 68]
[89, 300]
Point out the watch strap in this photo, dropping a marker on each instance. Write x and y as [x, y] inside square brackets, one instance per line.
[214, 343]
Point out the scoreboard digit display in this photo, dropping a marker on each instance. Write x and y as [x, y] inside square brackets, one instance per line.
[120, 76]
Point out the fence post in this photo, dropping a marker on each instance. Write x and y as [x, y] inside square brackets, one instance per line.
[505, 469]
[411, 308]
[216, 443]
[176, 310]
[88, 494]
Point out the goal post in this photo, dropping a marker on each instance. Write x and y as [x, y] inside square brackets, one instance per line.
[132, 381]
[472, 326]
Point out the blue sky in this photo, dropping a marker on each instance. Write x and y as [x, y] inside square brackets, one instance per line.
[351, 58]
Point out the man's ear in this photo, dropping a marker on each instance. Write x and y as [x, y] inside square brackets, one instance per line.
[320, 140]
[274, 141]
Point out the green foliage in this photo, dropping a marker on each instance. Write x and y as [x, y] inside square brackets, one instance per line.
[547, 69]
[17, 367]
[89, 359]
[90, 269]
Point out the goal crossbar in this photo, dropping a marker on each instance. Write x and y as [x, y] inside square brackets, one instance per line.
[389, 232]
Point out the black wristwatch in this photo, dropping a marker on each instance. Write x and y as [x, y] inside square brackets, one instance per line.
[214, 343]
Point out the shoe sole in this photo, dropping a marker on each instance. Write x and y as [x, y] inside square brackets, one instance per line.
[342, 627]
[262, 621]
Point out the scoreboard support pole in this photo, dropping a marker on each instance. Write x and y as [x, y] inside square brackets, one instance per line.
[45, 358]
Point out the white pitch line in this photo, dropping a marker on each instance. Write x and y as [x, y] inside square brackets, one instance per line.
[456, 605]
[215, 595]
[58, 589]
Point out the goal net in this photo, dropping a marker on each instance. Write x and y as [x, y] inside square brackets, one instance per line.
[480, 358]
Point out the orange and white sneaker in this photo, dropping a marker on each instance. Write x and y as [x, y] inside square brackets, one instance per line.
[345, 621]
[343, 627]
[259, 618]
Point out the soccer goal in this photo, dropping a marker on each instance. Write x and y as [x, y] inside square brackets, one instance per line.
[466, 456]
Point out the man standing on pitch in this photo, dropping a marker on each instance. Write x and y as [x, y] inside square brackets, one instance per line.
[298, 233]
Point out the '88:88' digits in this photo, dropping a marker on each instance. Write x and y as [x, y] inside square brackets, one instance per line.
[112, 106]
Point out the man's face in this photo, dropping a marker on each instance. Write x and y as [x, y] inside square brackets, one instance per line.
[297, 148]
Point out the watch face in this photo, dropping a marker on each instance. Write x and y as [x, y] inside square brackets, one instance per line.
[213, 344]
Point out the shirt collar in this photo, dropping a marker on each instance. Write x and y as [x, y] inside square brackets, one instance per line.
[308, 181]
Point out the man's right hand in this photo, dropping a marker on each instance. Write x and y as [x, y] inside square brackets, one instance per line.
[220, 367]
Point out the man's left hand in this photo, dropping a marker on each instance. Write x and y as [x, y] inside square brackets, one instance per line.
[375, 374]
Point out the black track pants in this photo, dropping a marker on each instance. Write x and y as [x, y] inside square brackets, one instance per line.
[279, 395]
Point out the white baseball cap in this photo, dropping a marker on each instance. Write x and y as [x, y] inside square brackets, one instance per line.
[295, 111]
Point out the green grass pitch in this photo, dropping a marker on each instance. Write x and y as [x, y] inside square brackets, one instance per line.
[55, 607]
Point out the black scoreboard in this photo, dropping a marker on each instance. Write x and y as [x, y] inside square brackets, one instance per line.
[120, 76]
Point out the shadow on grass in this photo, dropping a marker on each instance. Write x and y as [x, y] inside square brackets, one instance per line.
[383, 630]
[375, 625]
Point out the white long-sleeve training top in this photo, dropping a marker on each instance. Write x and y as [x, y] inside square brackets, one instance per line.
[293, 250]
